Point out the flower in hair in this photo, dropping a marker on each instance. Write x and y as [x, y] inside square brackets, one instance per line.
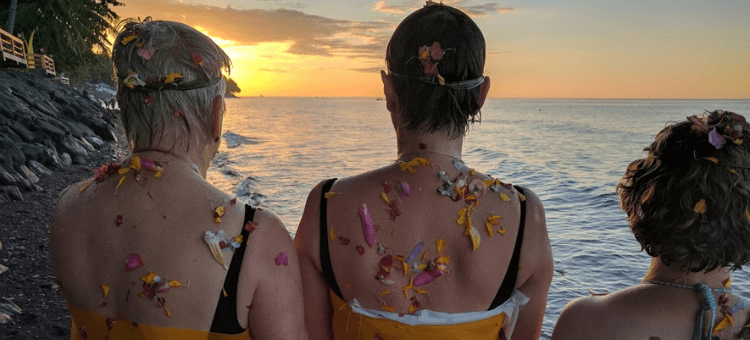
[132, 80]
[720, 125]
[129, 38]
[430, 56]
[172, 78]
[198, 59]
[146, 52]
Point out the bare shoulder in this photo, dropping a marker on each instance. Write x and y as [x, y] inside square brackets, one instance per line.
[270, 228]
[536, 252]
[305, 241]
[578, 319]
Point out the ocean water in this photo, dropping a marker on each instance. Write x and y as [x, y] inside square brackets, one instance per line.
[571, 153]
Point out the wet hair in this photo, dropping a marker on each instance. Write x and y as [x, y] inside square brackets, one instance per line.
[659, 193]
[183, 115]
[433, 107]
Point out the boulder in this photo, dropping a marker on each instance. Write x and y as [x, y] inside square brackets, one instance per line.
[65, 159]
[78, 153]
[38, 168]
[8, 132]
[22, 132]
[6, 178]
[32, 152]
[49, 129]
[24, 171]
[45, 108]
[10, 193]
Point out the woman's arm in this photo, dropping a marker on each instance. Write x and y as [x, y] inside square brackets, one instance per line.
[318, 309]
[536, 259]
[275, 311]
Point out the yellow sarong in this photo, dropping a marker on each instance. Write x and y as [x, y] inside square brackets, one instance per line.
[97, 327]
[348, 325]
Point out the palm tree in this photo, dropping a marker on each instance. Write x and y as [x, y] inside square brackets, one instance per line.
[12, 15]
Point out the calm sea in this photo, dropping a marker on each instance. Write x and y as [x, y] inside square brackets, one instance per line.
[570, 152]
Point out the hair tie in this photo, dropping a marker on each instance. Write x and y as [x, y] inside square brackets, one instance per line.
[456, 85]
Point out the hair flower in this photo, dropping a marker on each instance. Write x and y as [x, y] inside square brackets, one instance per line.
[132, 80]
[173, 78]
[429, 53]
[129, 38]
[720, 125]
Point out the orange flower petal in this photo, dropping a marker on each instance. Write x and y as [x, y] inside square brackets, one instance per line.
[724, 323]
[521, 196]
[504, 197]
[105, 290]
[727, 283]
[122, 179]
[440, 244]
[444, 259]
[385, 292]
[85, 186]
[332, 234]
[330, 194]
[409, 286]
[174, 284]
[700, 207]
[384, 197]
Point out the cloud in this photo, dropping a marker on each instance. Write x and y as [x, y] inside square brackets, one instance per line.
[485, 9]
[383, 7]
[374, 69]
[277, 70]
[307, 34]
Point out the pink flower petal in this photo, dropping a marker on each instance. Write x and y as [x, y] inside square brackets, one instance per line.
[426, 277]
[282, 259]
[367, 226]
[716, 139]
[146, 52]
[134, 261]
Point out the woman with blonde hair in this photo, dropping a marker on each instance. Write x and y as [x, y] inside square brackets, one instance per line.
[148, 249]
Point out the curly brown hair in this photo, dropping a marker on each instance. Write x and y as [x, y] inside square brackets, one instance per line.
[660, 194]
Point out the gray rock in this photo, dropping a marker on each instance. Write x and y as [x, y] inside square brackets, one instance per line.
[8, 132]
[46, 108]
[32, 151]
[22, 132]
[22, 183]
[6, 178]
[38, 168]
[65, 159]
[45, 127]
[10, 193]
[77, 152]
[4, 120]
[24, 171]
[95, 141]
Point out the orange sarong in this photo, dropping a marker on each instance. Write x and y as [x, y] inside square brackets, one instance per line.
[348, 325]
[97, 327]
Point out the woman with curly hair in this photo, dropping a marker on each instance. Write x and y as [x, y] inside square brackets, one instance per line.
[687, 204]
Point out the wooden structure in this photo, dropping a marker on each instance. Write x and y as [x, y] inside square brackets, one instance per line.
[13, 50]
[44, 63]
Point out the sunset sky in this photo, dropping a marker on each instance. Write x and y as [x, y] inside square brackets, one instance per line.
[536, 49]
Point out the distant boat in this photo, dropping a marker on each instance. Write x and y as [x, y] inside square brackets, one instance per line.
[379, 99]
[261, 95]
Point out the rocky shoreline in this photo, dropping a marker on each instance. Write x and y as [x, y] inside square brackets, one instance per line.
[51, 136]
[45, 126]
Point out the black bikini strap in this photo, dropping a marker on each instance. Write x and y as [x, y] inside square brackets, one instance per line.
[509, 281]
[325, 256]
[225, 317]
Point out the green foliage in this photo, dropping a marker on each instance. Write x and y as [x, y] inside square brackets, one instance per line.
[232, 87]
[72, 32]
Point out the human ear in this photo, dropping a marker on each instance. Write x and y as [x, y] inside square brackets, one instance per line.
[483, 90]
[216, 117]
[391, 98]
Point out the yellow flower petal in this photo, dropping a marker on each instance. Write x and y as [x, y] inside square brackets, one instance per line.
[388, 309]
[424, 255]
[149, 278]
[504, 197]
[85, 186]
[501, 231]
[475, 238]
[440, 244]
[405, 267]
[409, 286]
[385, 292]
[135, 163]
[424, 54]
[700, 207]
[123, 171]
[421, 266]
[128, 39]
[105, 290]
[420, 290]
[332, 234]
[174, 284]
[238, 238]
[494, 219]
[724, 323]
[412, 309]
[712, 159]
[384, 197]
[122, 179]
[445, 259]
[158, 173]
[330, 194]
[472, 172]
[733, 171]
[172, 77]
[737, 141]
[166, 311]
[488, 225]
[727, 283]
[521, 196]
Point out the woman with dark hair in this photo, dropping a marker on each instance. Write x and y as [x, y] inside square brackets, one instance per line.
[426, 247]
[148, 249]
[687, 204]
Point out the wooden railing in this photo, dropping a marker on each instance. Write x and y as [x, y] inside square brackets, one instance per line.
[13, 49]
[42, 61]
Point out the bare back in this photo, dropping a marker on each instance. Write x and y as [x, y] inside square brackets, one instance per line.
[472, 278]
[164, 223]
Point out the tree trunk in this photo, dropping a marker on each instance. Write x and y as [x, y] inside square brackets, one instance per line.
[12, 15]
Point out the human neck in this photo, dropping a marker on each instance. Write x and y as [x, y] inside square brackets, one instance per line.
[422, 143]
[191, 161]
[659, 272]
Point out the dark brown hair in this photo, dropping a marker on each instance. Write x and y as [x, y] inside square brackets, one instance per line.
[429, 106]
[660, 193]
